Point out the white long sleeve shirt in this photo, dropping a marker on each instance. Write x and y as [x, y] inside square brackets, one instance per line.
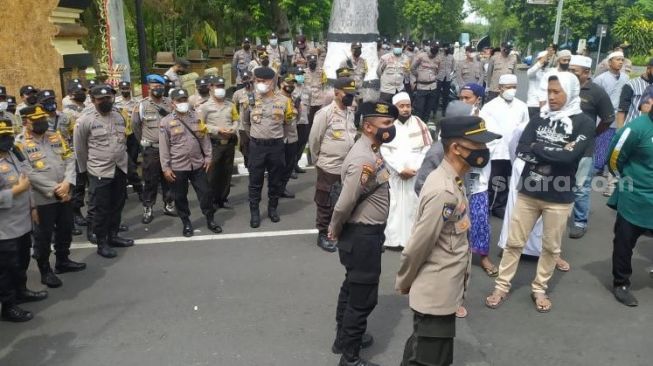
[503, 117]
[535, 74]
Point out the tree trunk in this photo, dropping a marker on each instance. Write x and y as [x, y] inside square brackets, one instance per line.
[282, 30]
[353, 21]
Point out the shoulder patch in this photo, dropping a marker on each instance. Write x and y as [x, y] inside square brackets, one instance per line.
[448, 211]
[367, 172]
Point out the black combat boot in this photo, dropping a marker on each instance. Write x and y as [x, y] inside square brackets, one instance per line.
[104, 249]
[13, 313]
[255, 220]
[48, 277]
[188, 227]
[324, 242]
[78, 218]
[25, 295]
[65, 265]
[272, 210]
[117, 241]
[210, 223]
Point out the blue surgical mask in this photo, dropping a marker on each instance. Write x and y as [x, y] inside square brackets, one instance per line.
[397, 51]
[299, 79]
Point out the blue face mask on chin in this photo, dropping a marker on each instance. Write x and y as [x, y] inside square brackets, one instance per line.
[299, 79]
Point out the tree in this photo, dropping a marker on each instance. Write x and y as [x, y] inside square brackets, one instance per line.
[634, 28]
[503, 25]
[418, 19]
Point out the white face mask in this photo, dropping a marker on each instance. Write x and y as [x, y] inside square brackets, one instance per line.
[509, 94]
[182, 107]
[262, 88]
[273, 42]
[4, 106]
[397, 51]
[220, 93]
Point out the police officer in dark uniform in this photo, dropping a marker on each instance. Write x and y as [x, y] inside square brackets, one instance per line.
[146, 120]
[358, 222]
[52, 176]
[186, 156]
[267, 122]
[101, 150]
[16, 214]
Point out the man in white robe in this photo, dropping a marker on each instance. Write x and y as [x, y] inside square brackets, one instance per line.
[403, 157]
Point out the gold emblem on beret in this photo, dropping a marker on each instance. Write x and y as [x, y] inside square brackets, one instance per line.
[382, 108]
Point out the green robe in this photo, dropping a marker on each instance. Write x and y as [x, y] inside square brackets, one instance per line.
[631, 160]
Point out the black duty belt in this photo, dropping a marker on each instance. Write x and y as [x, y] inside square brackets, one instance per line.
[224, 141]
[365, 228]
[266, 142]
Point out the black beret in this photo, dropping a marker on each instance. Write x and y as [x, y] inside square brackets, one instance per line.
[27, 89]
[264, 72]
[356, 45]
[202, 81]
[468, 127]
[125, 85]
[45, 95]
[345, 84]
[379, 109]
[178, 94]
[102, 91]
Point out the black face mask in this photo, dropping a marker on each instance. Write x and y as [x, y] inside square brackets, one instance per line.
[289, 89]
[385, 135]
[126, 94]
[6, 143]
[564, 67]
[247, 47]
[348, 100]
[158, 92]
[79, 98]
[11, 109]
[312, 65]
[39, 127]
[31, 99]
[203, 90]
[105, 106]
[265, 62]
[477, 158]
[434, 51]
[357, 53]
[50, 106]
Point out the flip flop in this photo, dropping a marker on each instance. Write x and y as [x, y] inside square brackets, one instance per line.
[541, 308]
[502, 296]
[491, 271]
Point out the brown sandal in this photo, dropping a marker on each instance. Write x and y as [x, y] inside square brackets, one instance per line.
[491, 271]
[562, 265]
[542, 302]
[496, 299]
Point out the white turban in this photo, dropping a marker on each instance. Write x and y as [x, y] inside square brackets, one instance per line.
[508, 79]
[400, 97]
[615, 54]
[582, 61]
[564, 53]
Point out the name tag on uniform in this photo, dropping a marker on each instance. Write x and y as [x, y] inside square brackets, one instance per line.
[36, 156]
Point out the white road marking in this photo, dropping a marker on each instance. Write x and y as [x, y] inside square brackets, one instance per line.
[176, 239]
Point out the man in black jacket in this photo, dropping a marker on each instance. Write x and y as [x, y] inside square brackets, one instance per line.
[552, 146]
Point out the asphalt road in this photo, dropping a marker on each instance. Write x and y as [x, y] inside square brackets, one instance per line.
[237, 300]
